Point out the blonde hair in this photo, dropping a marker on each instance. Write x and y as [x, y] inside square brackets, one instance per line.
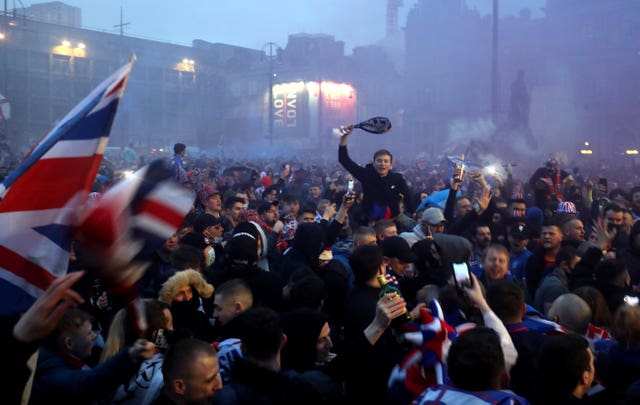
[116, 337]
[190, 277]
[626, 326]
[121, 333]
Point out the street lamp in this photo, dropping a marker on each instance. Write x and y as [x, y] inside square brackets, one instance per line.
[272, 75]
[495, 74]
[66, 48]
[586, 148]
[186, 65]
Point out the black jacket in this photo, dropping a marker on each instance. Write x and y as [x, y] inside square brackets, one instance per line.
[251, 384]
[379, 192]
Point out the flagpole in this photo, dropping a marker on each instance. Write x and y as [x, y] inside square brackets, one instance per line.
[5, 68]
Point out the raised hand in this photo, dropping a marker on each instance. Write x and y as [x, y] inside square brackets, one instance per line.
[483, 200]
[45, 313]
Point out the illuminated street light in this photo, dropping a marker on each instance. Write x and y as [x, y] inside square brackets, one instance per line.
[186, 65]
[2, 36]
[586, 152]
[586, 143]
[631, 152]
[65, 48]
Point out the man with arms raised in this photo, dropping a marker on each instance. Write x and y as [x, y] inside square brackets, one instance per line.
[384, 190]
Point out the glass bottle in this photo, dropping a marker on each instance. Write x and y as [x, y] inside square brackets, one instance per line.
[387, 288]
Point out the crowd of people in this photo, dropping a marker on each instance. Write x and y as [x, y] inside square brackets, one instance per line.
[287, 285]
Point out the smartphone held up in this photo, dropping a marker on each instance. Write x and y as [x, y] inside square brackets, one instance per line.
[462, 276]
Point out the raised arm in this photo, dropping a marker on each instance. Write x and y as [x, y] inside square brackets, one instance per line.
[352, 167]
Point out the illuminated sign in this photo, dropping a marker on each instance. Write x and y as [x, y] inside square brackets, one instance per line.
[285, 104]
[311, 108]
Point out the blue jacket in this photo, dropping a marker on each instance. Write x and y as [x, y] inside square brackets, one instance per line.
[443, 394]
[63, 381]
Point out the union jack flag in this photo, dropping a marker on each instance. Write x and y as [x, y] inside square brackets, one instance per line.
[122, 228]
[40, 197]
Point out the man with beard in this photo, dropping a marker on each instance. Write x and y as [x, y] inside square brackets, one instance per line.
[268, 212]
[481, 239]
[495, 263]
[613, 216]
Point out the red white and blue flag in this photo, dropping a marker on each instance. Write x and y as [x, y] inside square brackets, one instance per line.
[39, 198]
[121, 229]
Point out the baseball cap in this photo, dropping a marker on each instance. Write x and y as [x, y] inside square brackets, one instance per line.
[203, 221]
[207, 191]
[566, 207]
[433, 216]
[264, 207]
[519, 231]
[194, 239]
[396, 246]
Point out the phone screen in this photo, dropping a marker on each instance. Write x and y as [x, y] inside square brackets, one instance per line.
[461, 274]
[350, 186]
[631, 300]
[161, 339]
[602, 183]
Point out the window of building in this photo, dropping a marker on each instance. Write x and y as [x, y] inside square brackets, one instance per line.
[39, 62]
[81, 67]
[61, 65]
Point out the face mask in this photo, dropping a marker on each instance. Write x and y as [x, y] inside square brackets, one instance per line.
[210, 256]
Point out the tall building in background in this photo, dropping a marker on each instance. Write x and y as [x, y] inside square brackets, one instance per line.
[55, 12]
[211, 95]
[580, 61]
